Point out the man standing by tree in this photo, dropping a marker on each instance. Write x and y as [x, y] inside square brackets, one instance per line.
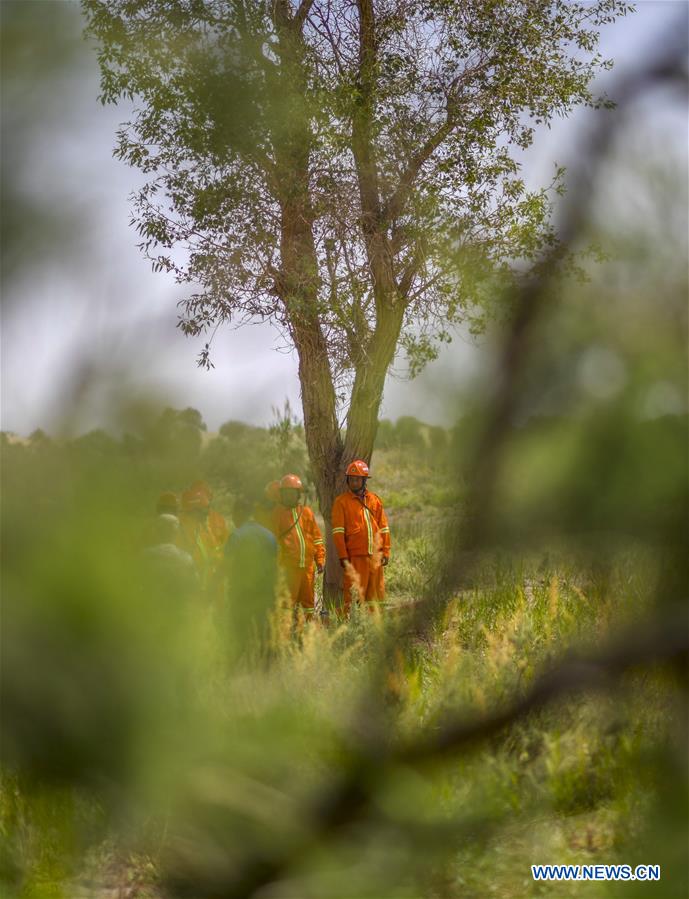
[300, 541]
[362, 537]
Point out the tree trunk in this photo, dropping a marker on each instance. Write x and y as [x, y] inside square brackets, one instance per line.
[369, 382]
[299, 279]
[300, 295]
[323, 439]
[299, 282]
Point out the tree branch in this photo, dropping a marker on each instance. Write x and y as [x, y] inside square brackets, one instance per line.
[302, 12]
[327, 35]
[362, 120]
[395, 205]
[662, 639]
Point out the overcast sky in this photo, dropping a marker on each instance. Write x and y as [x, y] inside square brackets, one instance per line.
[87, 312]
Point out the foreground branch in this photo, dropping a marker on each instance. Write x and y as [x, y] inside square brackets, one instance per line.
[660, 640]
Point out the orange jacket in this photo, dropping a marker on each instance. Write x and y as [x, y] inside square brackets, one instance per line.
[203, 539]
[360, 527]
[218, 528]
[298, 535]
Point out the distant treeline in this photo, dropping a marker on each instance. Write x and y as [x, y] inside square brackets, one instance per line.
[175, 447]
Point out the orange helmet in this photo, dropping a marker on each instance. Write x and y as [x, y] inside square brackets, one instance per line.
[358, 469]
[291, 481]
[194, 499]
[272, 492]
[203, 488]
[167, 503]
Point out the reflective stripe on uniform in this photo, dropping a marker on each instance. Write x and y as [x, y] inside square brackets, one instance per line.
[302, 542]
[338, 530]
[202, 547]
[367, 516]
[385, 530]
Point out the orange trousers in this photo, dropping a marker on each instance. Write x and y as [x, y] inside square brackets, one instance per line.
[365, 574]
[301, 585]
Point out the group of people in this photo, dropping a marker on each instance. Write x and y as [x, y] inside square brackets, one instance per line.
[195, 533]
[280, 534]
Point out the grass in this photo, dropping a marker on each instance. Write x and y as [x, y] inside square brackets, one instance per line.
[220, 755]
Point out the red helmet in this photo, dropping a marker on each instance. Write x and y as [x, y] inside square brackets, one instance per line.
[202, 488]
[291, 481]
[194, 499]
[358, 469]
[272, 492]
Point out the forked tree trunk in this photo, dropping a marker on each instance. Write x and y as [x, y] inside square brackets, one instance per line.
[362, 425]
[299, 279]
[327, 453]
[369, 381]
[323, 440]
[300, 285]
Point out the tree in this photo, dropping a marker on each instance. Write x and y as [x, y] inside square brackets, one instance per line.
[284, 432]
[244, 458]
[177, 433]
[438, 441]
[408, 433]
[345, 169]
[97, 444]
[385, 435]
[39, 440]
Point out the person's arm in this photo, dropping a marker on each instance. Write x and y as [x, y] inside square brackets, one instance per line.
[317, 538]
[384, 534]
[338, 524]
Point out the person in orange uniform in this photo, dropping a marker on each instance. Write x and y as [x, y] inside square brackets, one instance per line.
[203, 532]
[361, 536]
[215, 522]
[263, 513]
[195, 537]
[300, 542]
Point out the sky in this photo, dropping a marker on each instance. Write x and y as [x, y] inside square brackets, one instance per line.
[83, 312]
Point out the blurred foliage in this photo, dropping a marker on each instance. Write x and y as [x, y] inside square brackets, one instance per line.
[287, 435]
[33, 53]
[134, 756]
[130, 727]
